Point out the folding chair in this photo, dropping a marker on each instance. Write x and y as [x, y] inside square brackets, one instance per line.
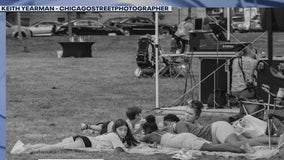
[174, 68]
[168, 69]
[181, 68]
[265, 107]
[270, 123]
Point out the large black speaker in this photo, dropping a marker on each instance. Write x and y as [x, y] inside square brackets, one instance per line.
[264, 76]
[277, 16]
[207, 86]
[198, 24]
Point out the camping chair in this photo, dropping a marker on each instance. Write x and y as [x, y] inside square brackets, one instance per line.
[168, 70]
[267, 107]
[255, 107]
[178, 69]
[175, 66]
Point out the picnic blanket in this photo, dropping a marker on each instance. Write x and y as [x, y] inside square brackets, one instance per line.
[146, 149]
[142, 148]
[261, 152]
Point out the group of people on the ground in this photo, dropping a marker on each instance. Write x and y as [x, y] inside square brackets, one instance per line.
[122, 135]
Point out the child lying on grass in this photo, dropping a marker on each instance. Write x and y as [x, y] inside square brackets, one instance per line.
[133, 115]
[121, 138]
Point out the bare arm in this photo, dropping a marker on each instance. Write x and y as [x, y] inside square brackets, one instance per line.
[221, 148]
[144, 138]
[182, 128]
[118, 150]
[138, 130]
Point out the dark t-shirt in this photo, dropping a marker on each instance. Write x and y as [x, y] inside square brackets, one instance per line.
[200, 131]
[152, 138]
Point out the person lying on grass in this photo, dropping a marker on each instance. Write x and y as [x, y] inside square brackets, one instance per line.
[120, 139]
[186, 141]
[133, 115]
[193, 111]
[219, 132]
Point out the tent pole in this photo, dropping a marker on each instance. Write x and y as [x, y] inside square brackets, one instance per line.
[69, 25]
[228, 24]
[270, 55]
[157, 59]
[19, 30]
[20, 36]
[270, 36]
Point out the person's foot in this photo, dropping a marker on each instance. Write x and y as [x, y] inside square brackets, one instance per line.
[84, 126]
[18, 148]
[247, 148]
[27, 148]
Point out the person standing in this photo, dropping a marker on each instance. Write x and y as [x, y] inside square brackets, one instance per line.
[243, 68]
[243, 87]
[182, 33]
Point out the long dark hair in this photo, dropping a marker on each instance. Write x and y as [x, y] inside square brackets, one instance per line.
[129, 139]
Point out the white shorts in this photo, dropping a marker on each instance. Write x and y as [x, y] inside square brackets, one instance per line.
[187, 141]
[220, 131]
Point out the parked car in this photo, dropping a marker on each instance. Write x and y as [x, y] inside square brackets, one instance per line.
[44, 28]
[255, 24]
[88, 27]
[113, 21]
[12, 30]
[140, 25]
[237, 21]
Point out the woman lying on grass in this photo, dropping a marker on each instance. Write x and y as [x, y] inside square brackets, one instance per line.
[121, 138]
[184, 140]
[193, 111]
[219, 132]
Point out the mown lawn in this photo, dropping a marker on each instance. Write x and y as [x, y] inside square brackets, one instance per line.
[48, 97]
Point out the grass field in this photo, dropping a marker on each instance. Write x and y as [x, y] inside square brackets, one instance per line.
[48, 97]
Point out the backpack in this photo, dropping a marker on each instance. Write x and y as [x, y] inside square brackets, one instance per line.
[144, 59]
[220, 99]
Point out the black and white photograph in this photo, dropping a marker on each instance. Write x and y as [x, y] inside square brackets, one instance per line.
[191, 83]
